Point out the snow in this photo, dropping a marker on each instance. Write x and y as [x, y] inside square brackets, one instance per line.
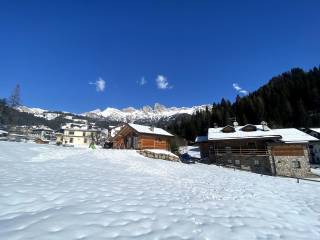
[30, 110]
[149, 130]
[287, 135]
[50, 192]
[161, 151]
[131, 114]
[192, 151]
[293, 135]
[217, 134]
[38, 112]
[315, 171]
[315, 130]
[79, 127]
[3, 132]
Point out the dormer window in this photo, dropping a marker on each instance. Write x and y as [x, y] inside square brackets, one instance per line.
[249, 128]
[228, 129]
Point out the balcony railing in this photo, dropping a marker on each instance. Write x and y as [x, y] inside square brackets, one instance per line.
[241, 151]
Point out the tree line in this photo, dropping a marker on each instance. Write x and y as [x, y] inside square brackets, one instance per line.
[289, 100]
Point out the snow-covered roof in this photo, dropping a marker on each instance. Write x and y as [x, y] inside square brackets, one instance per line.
[41, 128]
[317, 130]
[200, 139]
[161, 151]
[149, 130]
[293, 135]
[3, 132]
[286, 135]
[260, 132]
[79, 127]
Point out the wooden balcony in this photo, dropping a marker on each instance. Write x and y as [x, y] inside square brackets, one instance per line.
[240, 151]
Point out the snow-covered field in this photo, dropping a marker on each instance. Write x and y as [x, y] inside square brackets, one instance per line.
[49, 192]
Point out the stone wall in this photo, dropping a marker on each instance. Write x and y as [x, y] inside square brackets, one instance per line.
[163, 156]
[284, 165]
[257, 164]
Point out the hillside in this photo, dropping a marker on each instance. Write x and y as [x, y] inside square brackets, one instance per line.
[157, 115]
[51, 192]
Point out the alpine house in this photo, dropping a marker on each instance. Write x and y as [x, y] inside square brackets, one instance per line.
[134, 136]
[258, 148]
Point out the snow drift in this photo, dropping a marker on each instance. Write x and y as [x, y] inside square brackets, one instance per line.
[50, 192]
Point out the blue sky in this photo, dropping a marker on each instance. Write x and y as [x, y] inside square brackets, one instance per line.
[187, 52]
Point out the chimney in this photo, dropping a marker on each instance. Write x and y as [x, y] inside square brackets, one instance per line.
[264, 126]
[215, 125]
[235, 124]
[152, 128]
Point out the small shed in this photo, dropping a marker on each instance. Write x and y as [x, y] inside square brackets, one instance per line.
[134, 136]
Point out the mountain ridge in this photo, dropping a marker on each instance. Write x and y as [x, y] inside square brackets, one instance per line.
[129, 114]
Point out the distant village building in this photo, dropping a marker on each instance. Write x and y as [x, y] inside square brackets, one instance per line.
[78, 134]
[259, 149]
[3, 135]
[48, 115]
[134, 136]
[42, 133]
[79, 120]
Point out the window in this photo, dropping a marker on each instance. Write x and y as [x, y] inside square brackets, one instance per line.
[230, 161]
[237, 162]
[256, 162]
[85, 140]
[71, 132]
[296, 164]
[71, 140]
[84, 134]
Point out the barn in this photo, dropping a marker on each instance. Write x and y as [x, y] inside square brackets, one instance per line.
[134, 136]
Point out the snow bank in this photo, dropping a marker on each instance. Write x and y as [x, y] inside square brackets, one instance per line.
[193, 151]
[315, 171]
[49, 192]
[161, 151]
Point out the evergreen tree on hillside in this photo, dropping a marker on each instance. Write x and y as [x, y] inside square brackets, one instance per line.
[291, 99]
[14, 99]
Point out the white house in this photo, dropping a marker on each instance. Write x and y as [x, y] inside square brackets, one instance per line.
[78, 134]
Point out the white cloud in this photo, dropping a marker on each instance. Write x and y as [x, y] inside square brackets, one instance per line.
[162, 82]
[239, 89]
[100, 84]
[142, 81]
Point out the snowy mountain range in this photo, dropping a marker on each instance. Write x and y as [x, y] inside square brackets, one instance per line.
[145, 114]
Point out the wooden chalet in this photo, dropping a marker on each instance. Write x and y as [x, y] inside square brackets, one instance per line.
[259, 149]
[134, 136]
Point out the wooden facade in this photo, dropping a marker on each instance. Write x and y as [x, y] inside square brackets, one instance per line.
[288, 150]
[129, 138]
